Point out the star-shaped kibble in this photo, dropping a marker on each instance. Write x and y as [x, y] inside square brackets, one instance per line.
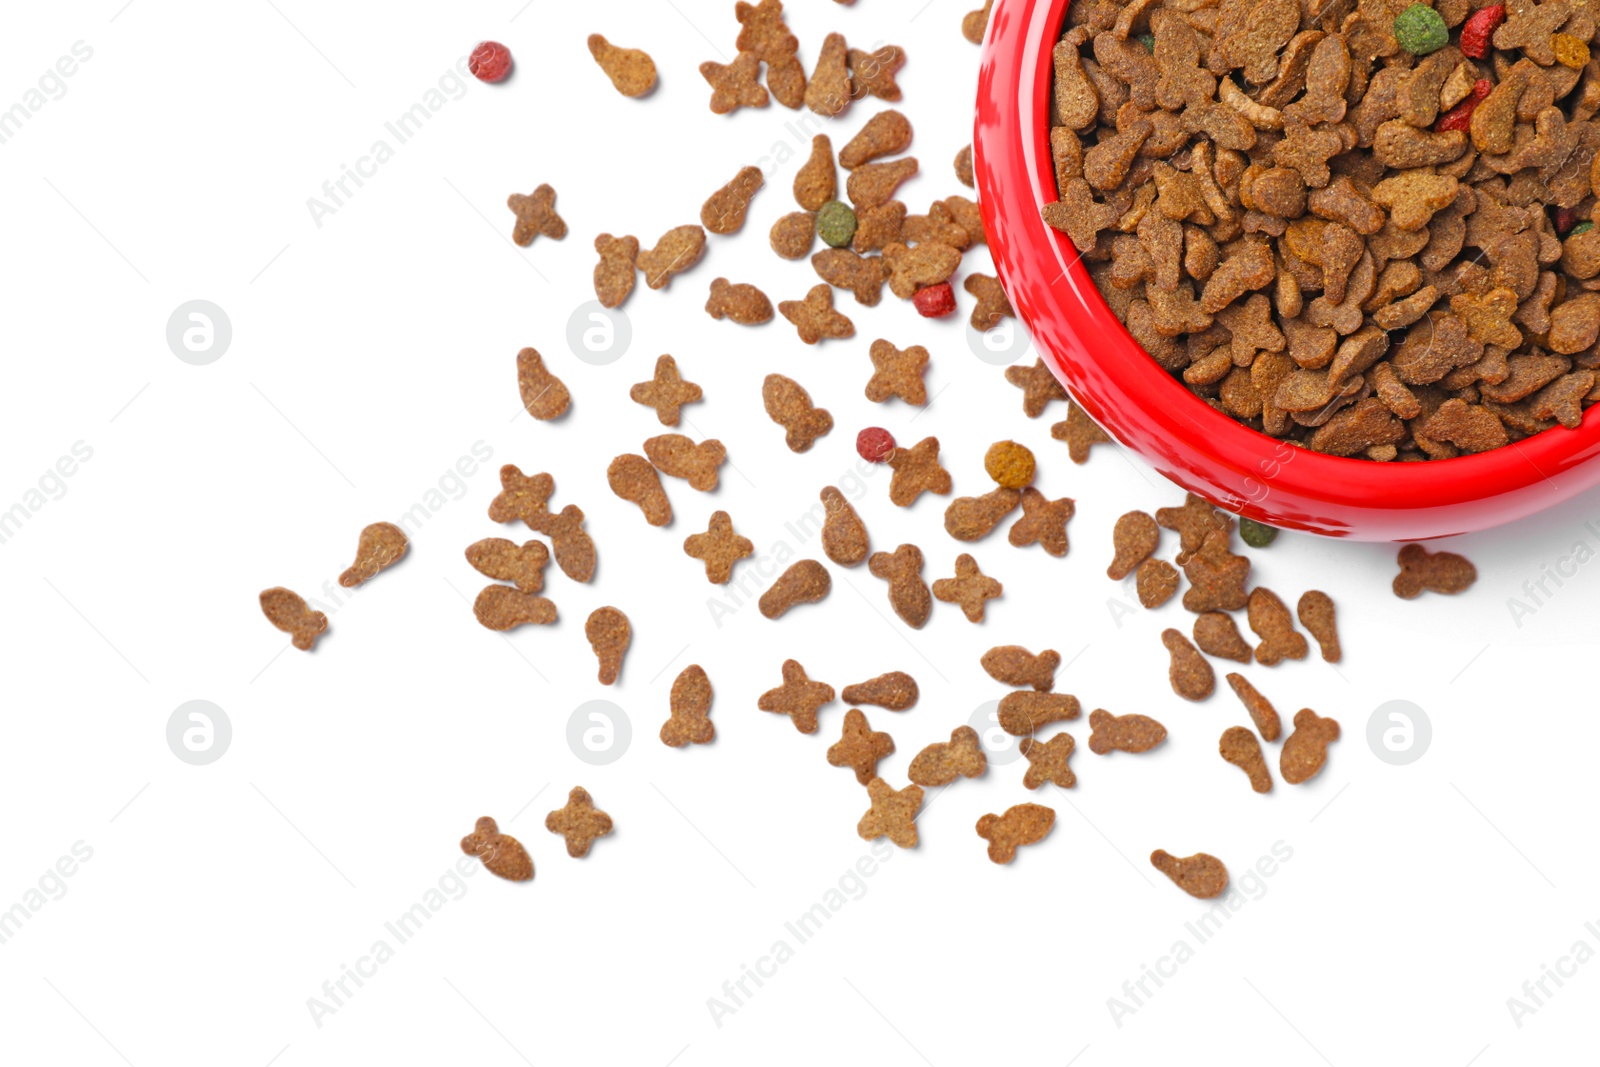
[815, 318]
[666, 392]
[917, 471]
[536, 215]
[1047, 761]
[734, 85]
[580, 822]
[860, 747]
[1216, 577]
[798, 697]
[1043, 522]
[898, 373]
[893, 814]
[1194, 522]
[719, 548]
[522, 497]
[970, 588]
[1038, 386]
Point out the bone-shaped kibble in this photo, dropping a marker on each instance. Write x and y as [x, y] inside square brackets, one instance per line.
[580, 822]
[678, 457]
[1047, 762]
[288, 611]
[690, 700]
[609, 633]
[1200, 875]
[1022, 824]
[806, 582]
[1023, 712]
[1015, 665]
[908, 593]
[1239, 747]
[506, 561]
[501, 853]
[895, 691]
[380, 545]
[943, 762]
[1306, 750]
[1126, 733]
[500, 607]
[633, 479]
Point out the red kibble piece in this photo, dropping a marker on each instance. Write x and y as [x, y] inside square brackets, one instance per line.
[1565, 219]
[874, 444]
[490, 61]
[1476, 31]
[936, 301]
[1460, 116]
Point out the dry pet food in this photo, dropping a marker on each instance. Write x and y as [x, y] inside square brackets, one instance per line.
[1218, 635]
[1047, 762]
[522, 497]
[873, 73]
[690, 700]
[719, 548]
[1200, 875]
[1271, 621]
[912, 269]
[805, 582]
[677, 251]
[789, 405]
[837, 225]
[817, 182]
[1043, 523]
[1216, 577]
[944, 761]
[895, 691]
[976, 23]
[1015, 665]
[501, 608]
[1010, 465]
[828, 91]
[1438, 572]
[763, 33]
[1023, 712]
[580, 822]
[490, 62]
[1022, 824]
[1080, 432]
[536, 216]
[734, 85]
[908, 593]
[609, 633]
[1316, 613]
[964, 167]
[815, 318]
[916, 471]
[506, 561]
[893, 813]
[993, 304]
[501, 853]
[860, 747]
[614, 274]
[1155, 582]
[1305, 750]
[1190, 674]
[667, 392]
[862, 276]
[935, 301]
[633, 479]
[1126, 733]
[844, 535]
[743, 303]
[1134, 537]
[970, 588]
[573, 547]
[798, 697]
[972, 518]
[1240, 748]
[1262, 713]
[1038, 386]
[1193, 523]
[678, 457]
[543, 394]
[380, 545]
[887, 133]
[630, 70]
[288, 611]
[874, 444]
[793, 235]
[724, 211]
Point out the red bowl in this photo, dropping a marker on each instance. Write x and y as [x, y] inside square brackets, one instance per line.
[1149, 411]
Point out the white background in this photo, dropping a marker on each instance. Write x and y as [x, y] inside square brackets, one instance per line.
[371, 353]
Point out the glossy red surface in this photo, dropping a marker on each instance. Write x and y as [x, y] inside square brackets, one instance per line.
[1149, 411]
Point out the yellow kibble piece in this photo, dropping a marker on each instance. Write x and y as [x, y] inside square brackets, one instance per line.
[1570, 51]
[1009, 464]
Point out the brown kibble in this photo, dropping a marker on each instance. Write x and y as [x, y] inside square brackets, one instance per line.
[972, 518]
[1191, 676]
[1134, 537]
[916, 268]
[860, 747]
[1193, 523]
[1218, 635]
[633, 479]
[763, 31]
[893, 814]
[873, 73]
[690, 701]
[898, 373]
[498, 558]
[536, 216]
[1439, 572]
[798, 697]
[974, 24]
[580, 822]
[879, 227]
[1200, 875]
[844, 535]
[734, 85]
[895, 691]
[1043, 523]
[793, 236]
[522, 497]
[1216, 576]
[667, 392]
[1125, 733]
[719, 548]
[1023, 712]
[1047, 762]
[543, 394]
[380, 545]
[678, 457]
[288, 611]
[970, 588]
[817, 182]
[805, 582]
[815, 318]
[1306, 750]
[1262, 713]
[844, 268]
[724, 211]
[887, 133]
[828, 91]
[677, 251]
[993, 304]
[943, 762]
[1022, 824]
[1156, 581]
[1038, 386]
[1010, 465]
[1240, 748]
[964, 167]
[917, 471]
[1080, 432]
[743, 303]
[908, 593]
[1271, 621]
[789, 405]
[502, 854]
[609, 633]
[1317, 616]
[631, 71]
[1015, 665]
[572, 545]
[614, 274]
[500, 607]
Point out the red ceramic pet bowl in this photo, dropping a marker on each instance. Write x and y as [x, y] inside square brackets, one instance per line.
[1149, 411]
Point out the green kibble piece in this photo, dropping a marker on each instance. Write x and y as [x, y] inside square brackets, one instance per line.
[1148, 40]
[836, 224]
[1256, 534]
[1582, 227]
[1420, 30]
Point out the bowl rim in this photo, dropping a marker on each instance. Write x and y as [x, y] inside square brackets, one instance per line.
[1011, 141]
